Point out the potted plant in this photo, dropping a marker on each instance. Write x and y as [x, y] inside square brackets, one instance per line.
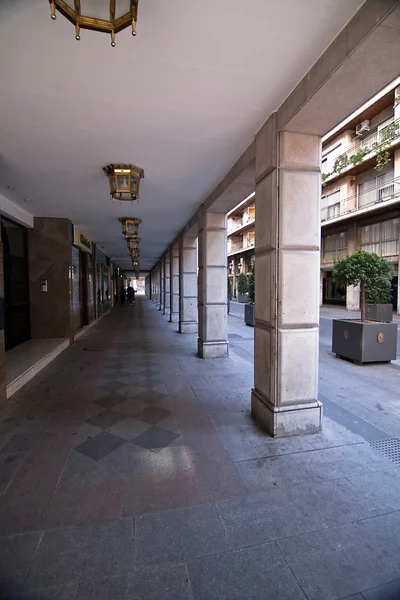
[243, 288]
[249, 308]
[364, 340]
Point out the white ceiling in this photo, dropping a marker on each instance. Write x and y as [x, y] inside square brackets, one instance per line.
[182, 100]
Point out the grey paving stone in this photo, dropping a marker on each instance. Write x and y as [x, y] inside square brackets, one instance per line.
[100, 446]
[250, 573]
[390, 591]
[67, 555]
[177, 535]
[264, 473]
[380, 486]
[99, 588]
[159, 582]
[130, 408]
[155, 438]
[16, 556]
[338, 562]
[9, 465]
[20, 442]
[153, 396]
[105, 419]
[58, 592]
[264, 517]
[153, 414]
[333, 502]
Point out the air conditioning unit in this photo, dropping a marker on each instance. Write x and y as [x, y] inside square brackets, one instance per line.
[362, 127]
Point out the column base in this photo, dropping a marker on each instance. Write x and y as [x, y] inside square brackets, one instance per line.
[190, 327]
[284, 421]
[212, 349]
[173, 317]
[166, 311]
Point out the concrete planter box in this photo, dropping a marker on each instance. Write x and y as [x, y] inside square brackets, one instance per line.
[243, 298]
[379, 312]
[364, 342]
[249, 314]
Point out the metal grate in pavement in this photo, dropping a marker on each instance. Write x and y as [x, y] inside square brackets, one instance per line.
[389, 448]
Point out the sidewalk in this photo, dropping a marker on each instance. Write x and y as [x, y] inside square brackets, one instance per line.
[132, 470]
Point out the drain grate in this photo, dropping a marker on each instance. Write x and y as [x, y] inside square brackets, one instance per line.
[389, 448]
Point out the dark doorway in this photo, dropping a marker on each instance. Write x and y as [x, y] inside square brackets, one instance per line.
[16, 284]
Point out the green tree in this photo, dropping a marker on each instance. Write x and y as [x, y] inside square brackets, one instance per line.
[250, 282]
[243, 286]
[368, 270]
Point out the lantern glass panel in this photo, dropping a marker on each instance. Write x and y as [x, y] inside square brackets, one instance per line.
[98, 9]
[122, 7]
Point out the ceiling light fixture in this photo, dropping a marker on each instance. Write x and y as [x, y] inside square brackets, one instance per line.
[124, 182]
[85, 14]
[130, 227]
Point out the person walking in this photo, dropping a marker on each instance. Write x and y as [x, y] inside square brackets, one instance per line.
[122, 295]
[131, 295]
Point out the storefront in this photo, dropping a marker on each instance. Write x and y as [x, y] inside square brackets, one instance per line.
[16, 284]
[82, 292]
[102, 282]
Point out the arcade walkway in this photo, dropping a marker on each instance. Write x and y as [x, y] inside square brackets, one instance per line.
[130, 469]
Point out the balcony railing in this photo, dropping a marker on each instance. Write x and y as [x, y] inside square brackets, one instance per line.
[374, 194]
[234, 225]
[244, 244]
[377, 141]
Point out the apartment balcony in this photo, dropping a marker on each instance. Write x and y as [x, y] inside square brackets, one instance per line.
[240, 226]
[374, 196]
[364, 152]
[242, 246]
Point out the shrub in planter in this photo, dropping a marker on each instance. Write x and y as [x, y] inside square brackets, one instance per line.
[249, 308]
[365, 341]
[243, 287]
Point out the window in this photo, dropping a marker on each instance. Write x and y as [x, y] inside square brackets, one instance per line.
[382, 238]
[327, 203]
[252, 212]
[334, 247]
[382, 127]
[377, 189]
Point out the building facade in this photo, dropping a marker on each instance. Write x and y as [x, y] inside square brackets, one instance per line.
[360, 207]
[241, 233]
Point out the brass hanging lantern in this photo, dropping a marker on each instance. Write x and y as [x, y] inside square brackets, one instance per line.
[124, 182]
[133, 244]
[107, 16]
[130, 227]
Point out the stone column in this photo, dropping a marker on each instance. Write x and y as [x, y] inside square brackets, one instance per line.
[3, 397]
[213, 292]
[167, 284]
[321, 287]
[174, 284]
[161, 303]
[188, 285]
[352, 292]
[288, 189]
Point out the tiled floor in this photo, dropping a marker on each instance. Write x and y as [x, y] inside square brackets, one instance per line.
[132, 470]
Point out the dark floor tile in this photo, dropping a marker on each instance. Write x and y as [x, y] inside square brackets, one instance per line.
[152, 397]
[100, 446]
[110, 400]
[153, 414]
[390, 591]
[129, 428]
[105, 419]
[130, 408]
[250, 573]
[159, 582]
[155, 438]
[177, 535]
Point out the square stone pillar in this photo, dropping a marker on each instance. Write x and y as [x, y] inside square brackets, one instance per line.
[188, 285]
[161, 304]
[213, 286]
[167, 282]
[353, 292]
[287, 271]
[174, 284]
